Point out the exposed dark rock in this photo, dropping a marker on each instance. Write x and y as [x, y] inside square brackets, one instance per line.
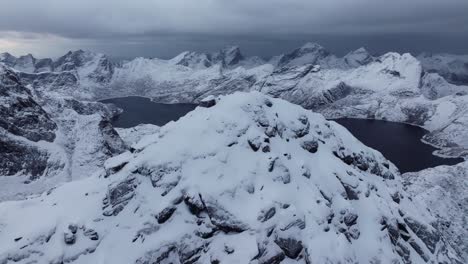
[392, 72]
[165, 214]
[396, 197]
[306, 172]
[299, 223]
[167, 254]
[351, 194]
[271, 164]
[208, 102]
[403, 231]
[418, 250]
[404, 253]
[16, 156]
[223, 219]
[290, 246]
[118, 196]
[269, 254]
[350, 219]
[255, 144]
[310, 145]
[69, 236]
[429, 237]
[20, 114]
[266, 149]
[91, 234]
[194, 204]
[266, 215]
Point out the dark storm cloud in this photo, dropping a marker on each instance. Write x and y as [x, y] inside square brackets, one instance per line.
[118, 24]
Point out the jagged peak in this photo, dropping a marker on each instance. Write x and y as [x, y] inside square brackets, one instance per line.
[231, 49]
[359, 50]
[309, 53]
[227, 56]
[6, 55]
[311, 46]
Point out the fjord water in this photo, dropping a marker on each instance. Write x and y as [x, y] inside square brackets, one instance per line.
[141, 110]
[400, 143]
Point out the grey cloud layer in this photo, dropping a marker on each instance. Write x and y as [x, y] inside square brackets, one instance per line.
[108, 18]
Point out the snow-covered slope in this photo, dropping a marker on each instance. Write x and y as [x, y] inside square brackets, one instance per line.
[250, 180]
[444, 190]
[46, 138]
[133, 135]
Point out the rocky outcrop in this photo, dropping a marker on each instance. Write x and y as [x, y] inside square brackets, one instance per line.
[22, 120]
[20, 115]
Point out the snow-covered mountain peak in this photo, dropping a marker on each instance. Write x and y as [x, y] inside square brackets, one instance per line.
[228, 56]
[192, 59]
[358, 57]
[5, 56]
[74, 59]
[311, 46]
[310, 53]
[256, 180]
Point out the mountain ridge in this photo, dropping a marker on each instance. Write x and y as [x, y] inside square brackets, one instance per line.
[257, 180]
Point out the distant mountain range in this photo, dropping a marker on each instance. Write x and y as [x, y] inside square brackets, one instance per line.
[428, 90]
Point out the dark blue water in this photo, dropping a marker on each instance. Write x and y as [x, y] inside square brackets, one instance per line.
[400, 143]
[141, 110]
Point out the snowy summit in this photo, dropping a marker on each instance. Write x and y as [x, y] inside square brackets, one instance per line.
[250, 179]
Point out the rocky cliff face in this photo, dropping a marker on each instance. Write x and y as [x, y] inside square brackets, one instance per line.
[257, 180]
[46, 138]
[22, 120]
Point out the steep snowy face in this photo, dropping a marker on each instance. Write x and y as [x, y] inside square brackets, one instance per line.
[19, 113]
[23, 63]
[310, 53]
[93, 66]
[453, 68]
[46, 138]
[444, 190]
[313, 87]
[249, 180]
[192, 59]
[22, 120]
[434, 86]
[228, 56]
[358, 58]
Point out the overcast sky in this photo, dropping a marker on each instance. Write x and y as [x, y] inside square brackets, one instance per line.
[164, 28]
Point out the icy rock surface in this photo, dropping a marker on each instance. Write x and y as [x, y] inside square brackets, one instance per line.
[205, 190]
